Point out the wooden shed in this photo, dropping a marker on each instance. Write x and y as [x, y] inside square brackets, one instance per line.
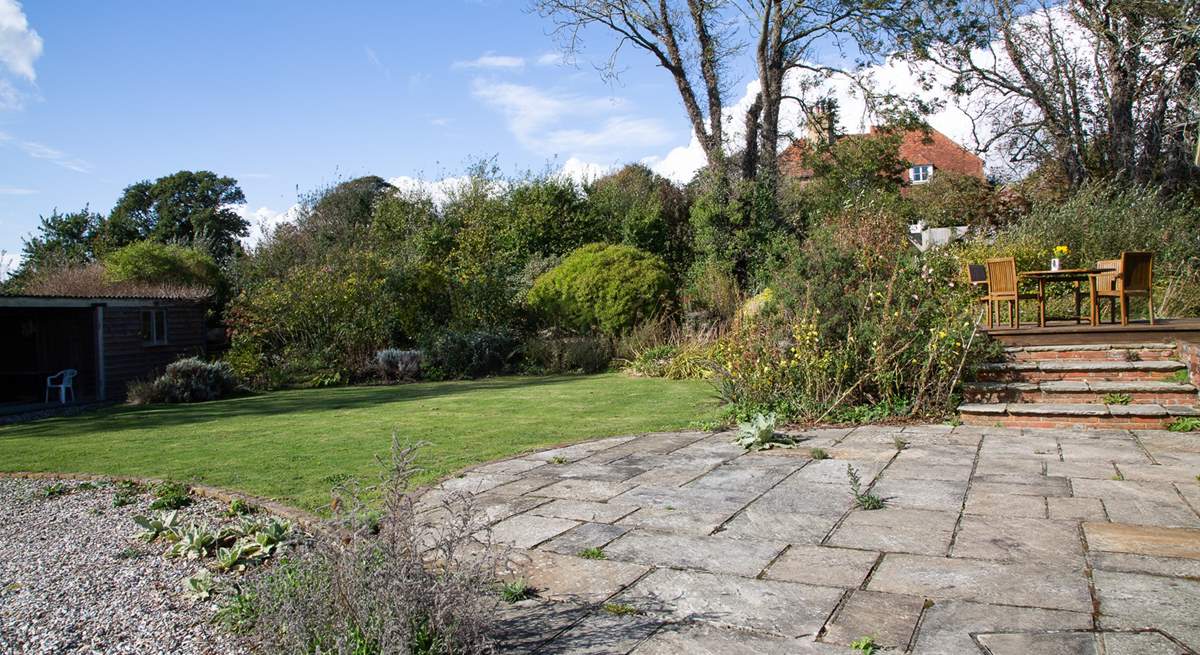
[110, 341]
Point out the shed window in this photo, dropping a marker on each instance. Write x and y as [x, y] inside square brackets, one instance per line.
[154, 326]
[921, 173]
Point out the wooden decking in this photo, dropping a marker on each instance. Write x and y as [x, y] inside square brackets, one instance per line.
[1069, 332]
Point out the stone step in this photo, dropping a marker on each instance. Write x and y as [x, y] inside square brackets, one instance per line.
[1101, 352]
[1090, 370]
[1080, 391]
[1145, 416]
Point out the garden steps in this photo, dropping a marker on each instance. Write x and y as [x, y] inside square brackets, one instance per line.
[1066, 386]
[1100, 352]
[1080, 391]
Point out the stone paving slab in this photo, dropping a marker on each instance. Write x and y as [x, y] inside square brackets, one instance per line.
[594, 490]
[940, 495]
[1025, 585]
[1143, 540]
[765, 523]
[784, 609]
[820, 565]
[583, 510]
[527, 530]
[889, 619]
[947, 626]
[985, 503]
[583, 537]
[1006, 539]
[567, 578]
[674, 521]
[700, 639]
[917, 531]
[1077, 509]
[1140, 600]
[741, 557]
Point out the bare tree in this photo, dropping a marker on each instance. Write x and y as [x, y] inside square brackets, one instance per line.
[1102, 88]
[699, 41]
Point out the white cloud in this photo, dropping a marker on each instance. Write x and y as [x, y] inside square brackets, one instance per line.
[493, 61]
[263, 221]
[42, 151]
[20, 46]
[551, 123]
[582, 172]
[375, 61]
[438, 190]
[10, 98]
[16, 191]
[551, 59]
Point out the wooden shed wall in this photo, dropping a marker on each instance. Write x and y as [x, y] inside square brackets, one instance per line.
[128, 358]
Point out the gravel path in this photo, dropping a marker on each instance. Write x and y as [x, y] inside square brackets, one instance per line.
[75, 578]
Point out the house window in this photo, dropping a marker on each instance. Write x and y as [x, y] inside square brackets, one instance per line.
[920, 174]
[154, 326]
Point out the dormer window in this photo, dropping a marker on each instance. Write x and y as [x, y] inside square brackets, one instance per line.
[920, 173]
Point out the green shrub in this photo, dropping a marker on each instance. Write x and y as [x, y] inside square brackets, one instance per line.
[154, 262]
[452, 355]
[188, 380]
[602, 287]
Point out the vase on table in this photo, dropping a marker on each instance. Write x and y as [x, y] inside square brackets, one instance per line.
[1055, 264]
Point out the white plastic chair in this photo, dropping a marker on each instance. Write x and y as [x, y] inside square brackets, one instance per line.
[66, 382]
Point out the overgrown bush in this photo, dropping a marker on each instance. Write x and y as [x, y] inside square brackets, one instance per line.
[411, 583]
[452, 355]
[555, 353]
[860, 318]
[396, 364]
[602, 287]
[154, 262]
[189, 380]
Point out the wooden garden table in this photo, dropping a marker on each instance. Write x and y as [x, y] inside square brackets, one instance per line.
[1075, 275]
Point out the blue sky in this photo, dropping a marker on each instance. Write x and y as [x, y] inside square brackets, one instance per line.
[284, 95]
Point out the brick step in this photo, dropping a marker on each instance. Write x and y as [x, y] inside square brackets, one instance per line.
[1079, 391]
[1090, 370]
[1103, 352]
[1074, 415]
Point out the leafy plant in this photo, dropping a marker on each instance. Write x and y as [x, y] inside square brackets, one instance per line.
[864, 645]
[818, 454]
[199, 586]
[864, 500]
[621, 609]
[1179, 377]
[592, 553]
[1117, 399]
[171, 495]
[396, 364]
[899, 442]
[128, 553]
[239, 507]
[192, 542]
[516, 591]
[558, 459]
[237, 611]
[759, 434]
[56, 490]
[1185, 424]
[163, 522]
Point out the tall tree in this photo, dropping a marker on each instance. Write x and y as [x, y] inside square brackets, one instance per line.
[187, 207]
[699, 43]
[1099, 88]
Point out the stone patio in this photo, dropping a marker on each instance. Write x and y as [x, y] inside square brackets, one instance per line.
[993, 540]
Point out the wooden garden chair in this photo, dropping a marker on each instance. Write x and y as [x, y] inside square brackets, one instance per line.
[977, 277]
[1003, 286]
[1104, 285]
[1136, 278]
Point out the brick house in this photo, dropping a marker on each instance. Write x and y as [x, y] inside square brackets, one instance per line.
[110, 341]
[927, 152]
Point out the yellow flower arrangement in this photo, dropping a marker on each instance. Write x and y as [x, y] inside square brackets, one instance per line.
[1061, 251]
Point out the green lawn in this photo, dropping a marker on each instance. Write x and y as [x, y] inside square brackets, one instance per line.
[291, 445]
